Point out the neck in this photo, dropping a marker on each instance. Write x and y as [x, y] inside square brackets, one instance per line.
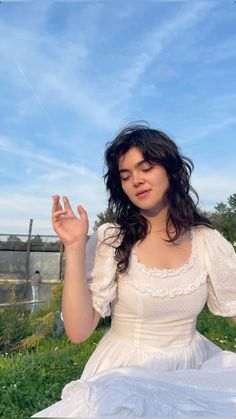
[157, 219]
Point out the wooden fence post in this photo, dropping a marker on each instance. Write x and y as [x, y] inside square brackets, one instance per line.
[27, 267]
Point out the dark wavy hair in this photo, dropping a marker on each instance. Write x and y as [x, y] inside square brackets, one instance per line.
[156, 147]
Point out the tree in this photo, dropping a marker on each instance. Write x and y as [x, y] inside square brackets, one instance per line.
[232, 202]
[14, 239]
[223, 218]
[36, 239]
[103, 217]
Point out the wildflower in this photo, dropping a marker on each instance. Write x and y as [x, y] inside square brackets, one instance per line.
[14, 385]
[56, 348]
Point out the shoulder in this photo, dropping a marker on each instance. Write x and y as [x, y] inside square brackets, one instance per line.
[106, 234]
[214, 240]
[208, 232]
[108, 231]
[103, 241]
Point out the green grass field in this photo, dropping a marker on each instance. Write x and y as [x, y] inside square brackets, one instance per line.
[31, 378]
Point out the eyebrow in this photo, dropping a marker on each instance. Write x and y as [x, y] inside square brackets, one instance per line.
[138, 164]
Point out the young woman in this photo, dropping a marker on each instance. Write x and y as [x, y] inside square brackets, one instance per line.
[154, 269]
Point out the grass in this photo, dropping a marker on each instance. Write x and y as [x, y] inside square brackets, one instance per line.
[31, 380]
[220, 330]
[32, 377]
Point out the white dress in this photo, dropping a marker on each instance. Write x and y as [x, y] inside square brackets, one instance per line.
[152, 362]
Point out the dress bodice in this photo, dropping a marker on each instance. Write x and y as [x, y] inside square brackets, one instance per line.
[164, 292]
[157, 308]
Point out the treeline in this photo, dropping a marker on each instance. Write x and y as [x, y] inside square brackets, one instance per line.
[223, 218]
[14, 238]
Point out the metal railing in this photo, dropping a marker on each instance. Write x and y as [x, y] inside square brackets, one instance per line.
[47, 243]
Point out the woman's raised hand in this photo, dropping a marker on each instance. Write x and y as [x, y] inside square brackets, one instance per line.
[69, 227]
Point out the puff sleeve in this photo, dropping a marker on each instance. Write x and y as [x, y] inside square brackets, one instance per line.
[220, 259]
[101, 269]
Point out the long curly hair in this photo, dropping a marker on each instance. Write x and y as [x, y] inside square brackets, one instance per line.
[182, 199]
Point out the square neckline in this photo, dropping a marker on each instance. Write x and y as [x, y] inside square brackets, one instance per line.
[168, 271]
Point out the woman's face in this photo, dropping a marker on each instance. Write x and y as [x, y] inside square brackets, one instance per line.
[144, 183]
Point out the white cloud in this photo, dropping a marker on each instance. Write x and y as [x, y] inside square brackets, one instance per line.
[158, 39]
[51, 76]
[210, 128]
[46, 176]
[54, 72]
[224, 50]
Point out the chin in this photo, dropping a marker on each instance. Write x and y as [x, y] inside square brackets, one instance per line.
[152, 211]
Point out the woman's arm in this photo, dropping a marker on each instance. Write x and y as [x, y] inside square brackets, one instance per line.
[80, 318]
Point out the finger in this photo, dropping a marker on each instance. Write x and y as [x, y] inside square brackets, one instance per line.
[57, 214]
[67, 204]
[82, 212]
[56, 203]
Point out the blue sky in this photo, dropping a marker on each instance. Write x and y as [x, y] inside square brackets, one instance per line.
[72, 73]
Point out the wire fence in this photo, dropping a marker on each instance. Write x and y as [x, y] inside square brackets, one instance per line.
[35, 242]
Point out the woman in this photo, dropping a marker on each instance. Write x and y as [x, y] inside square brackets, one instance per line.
[153, 269]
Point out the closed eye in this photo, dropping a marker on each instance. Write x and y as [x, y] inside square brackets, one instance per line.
[147, 169]
[144, 169]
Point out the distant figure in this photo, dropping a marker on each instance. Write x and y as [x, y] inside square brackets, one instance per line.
[35, 281]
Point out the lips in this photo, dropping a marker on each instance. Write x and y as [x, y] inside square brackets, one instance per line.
[142, 193]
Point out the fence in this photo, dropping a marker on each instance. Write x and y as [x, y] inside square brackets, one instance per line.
[21, 255]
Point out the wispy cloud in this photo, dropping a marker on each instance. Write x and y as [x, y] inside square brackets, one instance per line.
[16, 148]
[72, 73]
[158, 39]
[31, 200]
[223, 51]
[54, 72]
[209, 129]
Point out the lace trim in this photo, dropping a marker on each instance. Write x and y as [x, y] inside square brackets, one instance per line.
[163, 273]
[153, 292]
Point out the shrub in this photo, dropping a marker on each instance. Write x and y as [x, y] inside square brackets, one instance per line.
[20, 328]
[14, 320]
[56, 295]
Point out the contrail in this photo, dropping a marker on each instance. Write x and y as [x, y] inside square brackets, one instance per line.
[34, 93]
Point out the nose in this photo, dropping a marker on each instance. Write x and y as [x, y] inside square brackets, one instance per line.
[137, 179]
